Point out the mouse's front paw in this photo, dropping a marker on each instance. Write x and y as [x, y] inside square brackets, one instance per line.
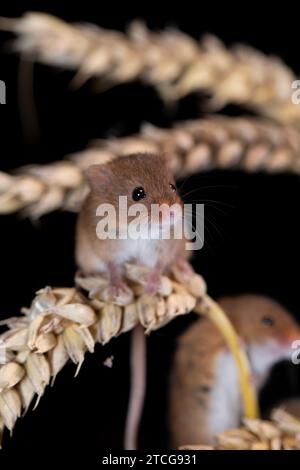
[183, 271]
[153, 282]
[119, 292]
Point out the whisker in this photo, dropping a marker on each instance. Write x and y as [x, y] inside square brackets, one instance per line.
[216, 208]
[210, 220]
[223, 186]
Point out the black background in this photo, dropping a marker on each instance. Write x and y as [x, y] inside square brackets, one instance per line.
[252, 246]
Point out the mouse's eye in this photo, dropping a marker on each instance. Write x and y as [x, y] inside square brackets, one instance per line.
[173, 187]
[267, 321]
[138, 193]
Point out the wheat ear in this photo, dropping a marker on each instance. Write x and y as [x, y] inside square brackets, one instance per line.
[201, 145]
[170, 60]
[65, 323]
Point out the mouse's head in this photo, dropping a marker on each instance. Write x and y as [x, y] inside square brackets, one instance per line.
[145, 180]
[265, 326]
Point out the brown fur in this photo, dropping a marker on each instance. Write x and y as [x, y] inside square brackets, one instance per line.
[109, 181]
[119, 178]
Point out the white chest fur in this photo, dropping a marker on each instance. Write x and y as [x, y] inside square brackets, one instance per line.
[144, 251]
[225, 405]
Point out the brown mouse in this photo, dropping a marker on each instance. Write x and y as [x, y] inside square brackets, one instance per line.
[204, 392]
[144, 179]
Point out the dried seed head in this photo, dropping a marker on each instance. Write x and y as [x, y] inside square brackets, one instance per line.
[65, 323]
[249, 143]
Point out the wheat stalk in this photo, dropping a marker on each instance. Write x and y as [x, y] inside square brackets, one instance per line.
[213, 311]
[249, 144]
[65, 323]
[281, 433]
[170, 60]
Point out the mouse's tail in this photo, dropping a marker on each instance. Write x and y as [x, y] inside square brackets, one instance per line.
[138, 367]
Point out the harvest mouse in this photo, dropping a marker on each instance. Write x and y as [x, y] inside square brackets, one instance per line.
[204, 392]
[144, 179]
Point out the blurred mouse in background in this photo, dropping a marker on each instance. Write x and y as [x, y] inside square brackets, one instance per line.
[204, 395]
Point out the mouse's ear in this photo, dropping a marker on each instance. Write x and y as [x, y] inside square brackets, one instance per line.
[97, 174]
